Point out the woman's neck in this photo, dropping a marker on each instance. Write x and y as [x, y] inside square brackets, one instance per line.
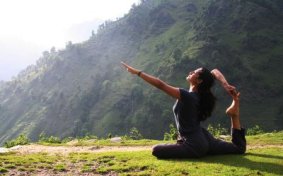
[193, 88]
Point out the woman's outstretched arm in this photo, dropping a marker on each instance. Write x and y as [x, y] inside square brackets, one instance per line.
[170, 90]
[220, 77]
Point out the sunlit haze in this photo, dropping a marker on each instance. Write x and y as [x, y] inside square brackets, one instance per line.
[28, 27]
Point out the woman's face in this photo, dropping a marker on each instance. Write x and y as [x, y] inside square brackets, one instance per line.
[193, 76]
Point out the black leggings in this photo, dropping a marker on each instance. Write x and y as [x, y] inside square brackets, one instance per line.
[202, 143]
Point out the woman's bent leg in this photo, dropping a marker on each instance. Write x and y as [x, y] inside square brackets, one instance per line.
[238, 145]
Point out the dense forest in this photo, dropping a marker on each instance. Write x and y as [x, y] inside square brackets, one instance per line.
[82, 88]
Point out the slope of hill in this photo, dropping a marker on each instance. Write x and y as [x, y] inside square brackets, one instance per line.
[83, 90]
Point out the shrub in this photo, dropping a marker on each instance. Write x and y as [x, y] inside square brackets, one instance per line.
[51, 139]
[20, 140]
[172, 135]
[126, 137]
[254, 130]
[109, 136]
[88, 137]
[217, 130]
[135, 134]
[67, 139]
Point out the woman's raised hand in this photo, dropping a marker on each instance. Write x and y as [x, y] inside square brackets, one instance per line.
[230, 89]
[130, 69]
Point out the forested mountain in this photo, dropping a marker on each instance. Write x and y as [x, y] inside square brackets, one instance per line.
[83, 89]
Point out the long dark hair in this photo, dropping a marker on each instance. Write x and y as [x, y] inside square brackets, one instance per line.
[207, 99]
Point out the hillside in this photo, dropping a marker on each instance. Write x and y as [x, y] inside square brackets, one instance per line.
[83, 90]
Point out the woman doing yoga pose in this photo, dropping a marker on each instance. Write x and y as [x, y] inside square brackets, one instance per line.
[192, 107]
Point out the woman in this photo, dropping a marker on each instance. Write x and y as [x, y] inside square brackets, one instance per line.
[192, 107]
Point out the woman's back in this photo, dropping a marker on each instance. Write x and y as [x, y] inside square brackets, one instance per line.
[186, 111]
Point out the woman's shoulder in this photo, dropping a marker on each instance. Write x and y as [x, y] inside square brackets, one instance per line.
[187, 95]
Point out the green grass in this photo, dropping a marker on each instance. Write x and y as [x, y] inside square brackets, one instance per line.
[266, 138]
[3, 170]
[268, 161]
[60, 167]
[257, 161]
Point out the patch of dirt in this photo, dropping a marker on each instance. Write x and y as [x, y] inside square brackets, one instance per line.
[65, 150]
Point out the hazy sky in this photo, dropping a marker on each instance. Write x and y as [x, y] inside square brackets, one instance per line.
[29, 27]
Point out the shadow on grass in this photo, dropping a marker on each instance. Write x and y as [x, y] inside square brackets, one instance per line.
[269, 163]
[264, 162]
[265, 156]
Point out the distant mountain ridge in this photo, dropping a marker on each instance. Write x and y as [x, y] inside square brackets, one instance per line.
[82, 89]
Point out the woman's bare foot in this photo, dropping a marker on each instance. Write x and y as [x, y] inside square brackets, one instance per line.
[234, 110]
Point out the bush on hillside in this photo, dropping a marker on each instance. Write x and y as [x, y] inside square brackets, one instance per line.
[135, 134]
[255, 130]
[20, 140]
[51, 139]
[172, 135]
[217, 130]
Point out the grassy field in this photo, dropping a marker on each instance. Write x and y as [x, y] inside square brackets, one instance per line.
[264, 157]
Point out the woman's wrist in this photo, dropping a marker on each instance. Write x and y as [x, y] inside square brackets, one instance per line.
[139, 73]
[225, 84]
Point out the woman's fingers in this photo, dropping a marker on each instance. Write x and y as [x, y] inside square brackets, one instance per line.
[124, 64]
[129, 68]
[236, 96]
[231, 88]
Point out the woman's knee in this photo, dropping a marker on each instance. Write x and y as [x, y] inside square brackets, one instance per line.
[166, 151]
[157, 151]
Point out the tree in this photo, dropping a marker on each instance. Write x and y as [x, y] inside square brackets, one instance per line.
[45, 54]
[53, 50]
[69, 45]
[177, 54]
